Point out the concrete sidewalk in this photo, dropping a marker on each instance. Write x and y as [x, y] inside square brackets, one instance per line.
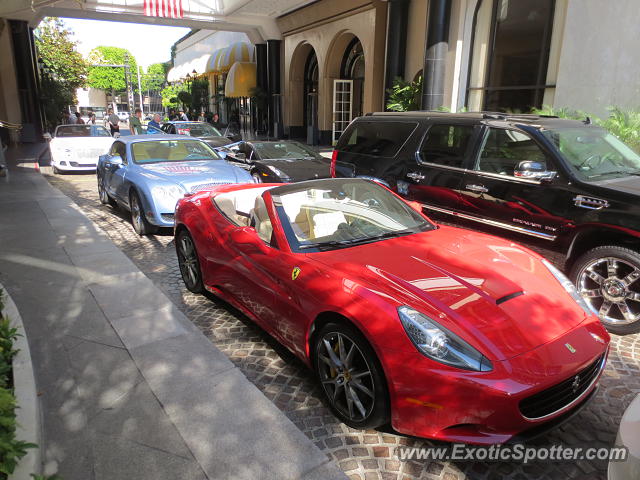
[129, 388]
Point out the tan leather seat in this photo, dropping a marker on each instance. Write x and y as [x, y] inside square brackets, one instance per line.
[260, 220]
[227, 207]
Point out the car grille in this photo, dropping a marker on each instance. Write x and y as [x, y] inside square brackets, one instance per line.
[559, 396]
[167, 217]
[204, 186]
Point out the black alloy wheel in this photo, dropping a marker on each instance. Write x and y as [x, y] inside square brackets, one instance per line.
[189, 262]
[351, 376]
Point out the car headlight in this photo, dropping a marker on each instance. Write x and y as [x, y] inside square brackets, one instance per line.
[279, 173]
[439, 344]
[569, 287]
[171, 192]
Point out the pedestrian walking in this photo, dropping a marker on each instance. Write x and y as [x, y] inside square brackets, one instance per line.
[135, 123]
[92, 117]
[114, 122]
[79, 120]
[201, 117]
[183, 116]
[71, 118]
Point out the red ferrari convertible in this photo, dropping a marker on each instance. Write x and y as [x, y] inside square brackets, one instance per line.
[443, 332]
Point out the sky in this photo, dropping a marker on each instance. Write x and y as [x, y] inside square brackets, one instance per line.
[148, 43]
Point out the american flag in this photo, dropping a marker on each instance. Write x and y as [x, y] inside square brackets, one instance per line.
[163, 8]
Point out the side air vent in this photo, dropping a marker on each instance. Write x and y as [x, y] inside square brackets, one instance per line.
[506, 298]
[590, 203]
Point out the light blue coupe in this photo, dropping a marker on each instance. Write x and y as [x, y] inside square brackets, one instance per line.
[146, 175]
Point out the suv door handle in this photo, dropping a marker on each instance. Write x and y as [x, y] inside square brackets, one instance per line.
[477, 188]
[415, 176]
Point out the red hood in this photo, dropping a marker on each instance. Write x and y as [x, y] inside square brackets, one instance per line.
[461, 278]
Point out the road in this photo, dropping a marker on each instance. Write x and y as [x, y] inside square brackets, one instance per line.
[362, 455]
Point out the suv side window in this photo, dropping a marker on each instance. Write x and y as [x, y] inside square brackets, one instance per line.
[446, 145]
[504, 149]
[381, 139]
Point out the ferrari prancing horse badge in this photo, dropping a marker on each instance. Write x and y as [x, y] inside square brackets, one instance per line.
[295, 273]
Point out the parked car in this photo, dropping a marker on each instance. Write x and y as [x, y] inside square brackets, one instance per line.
[146, 175]
[443, 332]
[77, 147]
[277, 161]
[201, 130]
[629, 438]
[566, 185]
[123, 116]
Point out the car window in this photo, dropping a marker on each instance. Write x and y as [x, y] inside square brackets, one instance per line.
[172, 151]
[291, 150]
[446, 145]
[381, 139]
[198, 129]
[504, 149]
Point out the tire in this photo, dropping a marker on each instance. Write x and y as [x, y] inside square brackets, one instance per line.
[609, 279]
[189, 262]
[138, 219]
[105, 198]
[56, 171]
[370, 388]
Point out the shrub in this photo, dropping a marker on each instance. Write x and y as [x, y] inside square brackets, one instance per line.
[11, 449]
[404, 96]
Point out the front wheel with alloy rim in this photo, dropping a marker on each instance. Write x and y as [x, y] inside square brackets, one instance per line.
[104, 196]
[351, 376]
[608, 278]
[138, 219]
[188, 262]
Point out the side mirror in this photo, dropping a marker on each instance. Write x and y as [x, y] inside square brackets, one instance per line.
[533, 171]
[246, 239]
[116, 161]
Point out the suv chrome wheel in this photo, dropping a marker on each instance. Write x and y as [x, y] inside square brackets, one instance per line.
[610, 287]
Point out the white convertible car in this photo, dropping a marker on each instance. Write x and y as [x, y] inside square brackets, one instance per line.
[77, 147]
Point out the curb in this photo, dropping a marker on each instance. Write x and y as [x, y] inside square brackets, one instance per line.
[28, 411]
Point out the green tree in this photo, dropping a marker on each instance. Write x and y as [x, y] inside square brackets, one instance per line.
[154, 78]
[170, 93]
[110, 79]
[65, 68]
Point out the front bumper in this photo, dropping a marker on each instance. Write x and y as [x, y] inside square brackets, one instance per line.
[484, 407]
[75, 166]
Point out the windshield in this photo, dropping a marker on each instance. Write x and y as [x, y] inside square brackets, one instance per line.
[82, 131]
[172, 151]
[283, 150]
[594, 153]
[337, 213]
[197, 129]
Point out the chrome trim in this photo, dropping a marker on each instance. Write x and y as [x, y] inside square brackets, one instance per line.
[590, 203]
[505, 177]
[437, 165]
[577, 399]
[506, 226]
[476, 188]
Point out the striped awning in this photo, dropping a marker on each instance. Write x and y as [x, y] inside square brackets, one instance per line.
[236, 52]
[240, 80]
[213, 61]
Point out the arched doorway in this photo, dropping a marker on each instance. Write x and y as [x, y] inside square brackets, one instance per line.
[352, 68]
[310, 97]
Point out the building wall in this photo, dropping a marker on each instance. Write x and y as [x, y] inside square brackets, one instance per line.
[600, 61]
[416, 35]
[328, 27]
[91, 97]
[9, 99]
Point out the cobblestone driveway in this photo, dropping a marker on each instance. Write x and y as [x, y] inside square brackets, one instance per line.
[364, 455]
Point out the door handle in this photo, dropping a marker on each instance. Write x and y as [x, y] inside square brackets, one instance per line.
[415, 176]
[477, 188]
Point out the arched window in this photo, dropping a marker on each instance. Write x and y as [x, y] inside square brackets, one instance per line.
[510, 54]
[352, 68]
[310, 89]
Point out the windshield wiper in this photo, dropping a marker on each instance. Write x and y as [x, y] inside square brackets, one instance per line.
[354, 241]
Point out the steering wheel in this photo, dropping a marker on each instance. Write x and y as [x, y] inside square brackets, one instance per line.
[598, 159]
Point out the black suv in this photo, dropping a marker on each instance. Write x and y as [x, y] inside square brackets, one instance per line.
[566, 185]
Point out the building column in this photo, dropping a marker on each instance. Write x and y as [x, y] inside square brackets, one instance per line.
[276, 128]
[398, 18]
[437, 45]
[28, 87]
[262, 82]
